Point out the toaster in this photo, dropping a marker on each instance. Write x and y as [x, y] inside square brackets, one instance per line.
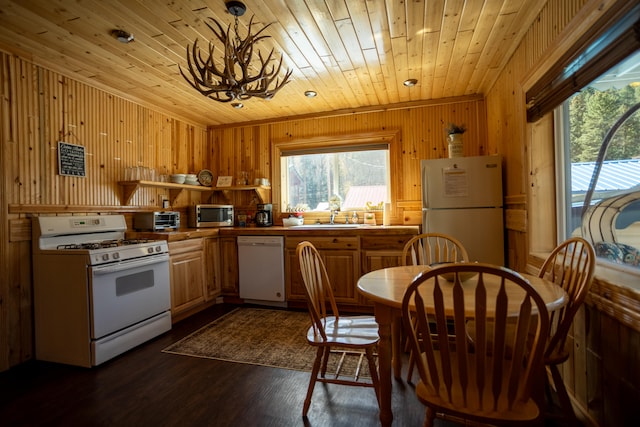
[156, 221]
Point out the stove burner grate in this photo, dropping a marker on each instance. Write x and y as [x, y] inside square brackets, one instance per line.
[80, 246]
[103, 244]
[135, 241]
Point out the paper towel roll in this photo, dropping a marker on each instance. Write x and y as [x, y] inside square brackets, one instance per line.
[386, 215]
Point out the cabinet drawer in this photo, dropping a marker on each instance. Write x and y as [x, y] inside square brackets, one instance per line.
[329, 242]
[182, 246]
[396, 242]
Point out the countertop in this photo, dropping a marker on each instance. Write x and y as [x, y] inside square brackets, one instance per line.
[194, 233]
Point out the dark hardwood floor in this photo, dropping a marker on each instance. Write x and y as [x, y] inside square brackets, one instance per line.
[145, 387]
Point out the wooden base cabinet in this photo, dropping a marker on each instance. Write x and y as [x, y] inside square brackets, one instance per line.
[187, 275]
[212, 280]
[229, 266]
[381, 252]
[341, 257]
[194, 267]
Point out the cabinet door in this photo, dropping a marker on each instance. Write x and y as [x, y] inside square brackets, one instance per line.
[187, 274]
[294, 286]
[376, 260]
[212, 268]
[229, 266]
[343, 269]
[381, 252]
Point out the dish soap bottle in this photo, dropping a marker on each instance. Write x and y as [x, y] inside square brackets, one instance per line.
[354, 218]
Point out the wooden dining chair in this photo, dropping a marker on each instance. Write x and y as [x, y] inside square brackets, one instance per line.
[479, 383]
[570, 265]
[352, 336]
[431, 249]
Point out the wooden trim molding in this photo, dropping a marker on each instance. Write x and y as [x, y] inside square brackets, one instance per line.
[51, 209]
[620, 302]
[19, 230]
[516, 219]
[361, 110]
[391, 136]
[517, 199]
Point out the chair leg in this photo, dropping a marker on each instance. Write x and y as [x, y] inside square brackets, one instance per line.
[373, 371]
[325, 361]
[312, 380]
[412, 362]
[429, 418]
[563, 396]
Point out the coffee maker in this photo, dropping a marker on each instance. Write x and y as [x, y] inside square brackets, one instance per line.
[264, 215]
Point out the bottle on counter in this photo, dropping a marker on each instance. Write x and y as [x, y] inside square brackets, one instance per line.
[354, 218]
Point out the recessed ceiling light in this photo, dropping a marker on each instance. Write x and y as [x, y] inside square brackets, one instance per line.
[122, 36]
[310, 94]
[410, 82]
[237, 105]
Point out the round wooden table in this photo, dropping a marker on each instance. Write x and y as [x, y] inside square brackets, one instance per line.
[386, 288]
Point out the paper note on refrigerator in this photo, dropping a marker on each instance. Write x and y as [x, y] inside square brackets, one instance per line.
[455, 182]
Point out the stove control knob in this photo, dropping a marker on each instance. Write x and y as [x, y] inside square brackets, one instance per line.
[150, 250]
[116, 255]
[105, 257]
[158, 249]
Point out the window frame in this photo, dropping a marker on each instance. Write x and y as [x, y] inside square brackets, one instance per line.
[286, 154]
[564, 183]
[390, 137]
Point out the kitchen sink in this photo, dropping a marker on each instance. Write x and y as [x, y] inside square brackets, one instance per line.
[325, 226]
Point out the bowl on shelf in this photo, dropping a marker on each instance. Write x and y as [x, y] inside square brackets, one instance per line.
[191, 179]
[178, 178]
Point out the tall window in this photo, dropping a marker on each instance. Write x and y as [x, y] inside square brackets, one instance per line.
[601, 190]
[335, 178]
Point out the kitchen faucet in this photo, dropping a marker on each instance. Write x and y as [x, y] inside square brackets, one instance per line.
[333, 216]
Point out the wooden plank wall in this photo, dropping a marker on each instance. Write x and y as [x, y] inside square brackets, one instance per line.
[421, 130]
[38, 108]
[47, 107]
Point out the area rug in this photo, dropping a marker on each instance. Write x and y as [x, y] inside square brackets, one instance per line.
[266, 337]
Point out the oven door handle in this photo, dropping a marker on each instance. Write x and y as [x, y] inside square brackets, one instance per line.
[125, 265]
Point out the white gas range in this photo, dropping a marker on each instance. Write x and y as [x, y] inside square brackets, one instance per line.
[96, 295]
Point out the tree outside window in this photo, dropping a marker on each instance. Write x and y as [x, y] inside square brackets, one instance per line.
[315, 180]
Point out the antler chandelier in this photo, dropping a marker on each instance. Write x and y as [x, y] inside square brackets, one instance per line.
[236, 79]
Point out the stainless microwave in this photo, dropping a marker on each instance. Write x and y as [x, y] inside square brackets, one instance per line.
[211, 216]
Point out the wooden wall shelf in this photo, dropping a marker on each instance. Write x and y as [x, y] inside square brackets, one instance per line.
[130, 187]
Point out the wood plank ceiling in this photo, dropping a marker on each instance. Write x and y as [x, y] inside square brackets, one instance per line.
[355, 54]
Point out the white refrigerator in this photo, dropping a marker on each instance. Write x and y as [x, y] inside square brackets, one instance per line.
[462, 197]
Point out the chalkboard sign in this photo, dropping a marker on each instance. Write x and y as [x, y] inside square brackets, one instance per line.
[70, 159]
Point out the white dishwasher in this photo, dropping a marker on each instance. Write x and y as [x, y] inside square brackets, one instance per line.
[261, 269]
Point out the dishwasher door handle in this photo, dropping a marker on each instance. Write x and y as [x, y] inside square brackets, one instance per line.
[275, 245]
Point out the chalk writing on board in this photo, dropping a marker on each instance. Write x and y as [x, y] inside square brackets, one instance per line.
[71, 159]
